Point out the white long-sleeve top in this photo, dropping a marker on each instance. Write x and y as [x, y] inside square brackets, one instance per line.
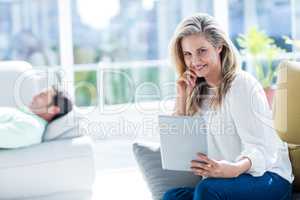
[243, 127]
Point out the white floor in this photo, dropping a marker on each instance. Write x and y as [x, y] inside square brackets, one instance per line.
[118, 176]
[124, 184]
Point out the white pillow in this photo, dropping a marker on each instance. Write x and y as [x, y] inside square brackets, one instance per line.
[63, 127]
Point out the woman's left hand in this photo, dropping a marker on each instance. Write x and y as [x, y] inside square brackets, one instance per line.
[204, 166]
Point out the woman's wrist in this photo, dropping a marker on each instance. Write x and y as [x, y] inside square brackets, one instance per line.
[180, 106]
[179, 111]
[242, 166]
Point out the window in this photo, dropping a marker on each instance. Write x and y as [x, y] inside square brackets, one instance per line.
[273, 17]
[125, 32]
[122, 34]
[86, 88]
[29, 31]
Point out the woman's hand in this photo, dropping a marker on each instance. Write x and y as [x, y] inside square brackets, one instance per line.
[185, 85]
[203, 166]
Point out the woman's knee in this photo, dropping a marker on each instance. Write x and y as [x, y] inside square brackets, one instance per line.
[206, 189]
[168, 195]
[171, 194]
[178, 194]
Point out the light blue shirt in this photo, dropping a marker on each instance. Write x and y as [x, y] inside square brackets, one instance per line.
[19, 127]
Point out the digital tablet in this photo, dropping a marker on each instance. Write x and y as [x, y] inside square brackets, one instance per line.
[181, 138]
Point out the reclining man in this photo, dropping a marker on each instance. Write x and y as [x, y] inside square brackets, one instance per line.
[21, 127]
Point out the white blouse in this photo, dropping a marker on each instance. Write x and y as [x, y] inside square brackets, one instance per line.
[243, 127]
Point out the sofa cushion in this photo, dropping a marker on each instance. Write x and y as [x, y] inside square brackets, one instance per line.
[18, 82]
[294, 152]
[159, 180]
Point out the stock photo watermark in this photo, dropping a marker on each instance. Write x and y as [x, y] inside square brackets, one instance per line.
[145, 125]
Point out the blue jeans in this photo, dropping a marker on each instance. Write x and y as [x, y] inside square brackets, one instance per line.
[269, 186]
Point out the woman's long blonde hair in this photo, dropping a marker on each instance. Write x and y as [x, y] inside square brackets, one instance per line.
[205, 25]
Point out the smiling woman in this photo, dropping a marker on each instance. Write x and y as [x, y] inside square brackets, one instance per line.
[204, 57]
[241, 162]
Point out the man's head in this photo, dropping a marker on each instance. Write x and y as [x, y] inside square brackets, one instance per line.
[50, 104]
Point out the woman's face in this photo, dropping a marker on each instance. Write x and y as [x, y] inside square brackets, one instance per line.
[201, 56]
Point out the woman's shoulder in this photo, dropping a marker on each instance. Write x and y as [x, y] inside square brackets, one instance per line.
[244, 77]
[243, 83]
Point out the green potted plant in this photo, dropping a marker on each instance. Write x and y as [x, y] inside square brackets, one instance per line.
[262, 50]
[292, 42]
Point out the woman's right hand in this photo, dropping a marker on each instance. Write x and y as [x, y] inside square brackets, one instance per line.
[185, 86]
[186, 83]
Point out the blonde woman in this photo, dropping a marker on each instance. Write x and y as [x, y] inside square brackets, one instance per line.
[246, 159]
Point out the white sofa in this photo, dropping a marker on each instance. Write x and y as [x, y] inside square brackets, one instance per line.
[59, 169]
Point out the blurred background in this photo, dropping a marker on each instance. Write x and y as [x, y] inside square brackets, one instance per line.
[129, 36]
